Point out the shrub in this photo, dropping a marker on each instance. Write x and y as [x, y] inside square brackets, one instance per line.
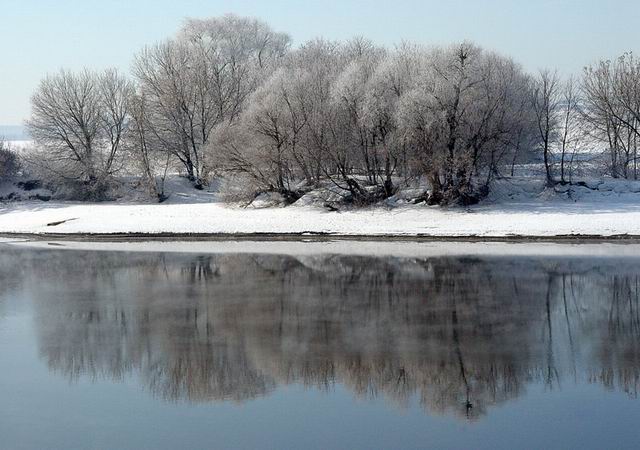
[9, 162]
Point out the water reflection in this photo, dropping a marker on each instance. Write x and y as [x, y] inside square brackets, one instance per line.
[460, 335]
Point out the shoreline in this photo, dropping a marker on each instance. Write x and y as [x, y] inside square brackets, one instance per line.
[313, 246]
[118, 237]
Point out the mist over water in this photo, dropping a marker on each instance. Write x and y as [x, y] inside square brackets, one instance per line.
[450, 343]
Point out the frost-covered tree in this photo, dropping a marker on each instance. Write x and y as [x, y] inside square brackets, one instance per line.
[358, 115]
[266, 141]
[295, 129]
[79, 122]
[201, 79]
[323, 137]
[461, 118]
[611, 95]
[392, 78]
[363, 132]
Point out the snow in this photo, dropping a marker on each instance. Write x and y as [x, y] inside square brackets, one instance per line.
[19, 145]
[517, 207]
[531, 219]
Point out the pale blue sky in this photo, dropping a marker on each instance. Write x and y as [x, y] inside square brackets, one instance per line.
[42, 36]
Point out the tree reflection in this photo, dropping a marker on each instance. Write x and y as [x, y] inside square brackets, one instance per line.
[457, 334]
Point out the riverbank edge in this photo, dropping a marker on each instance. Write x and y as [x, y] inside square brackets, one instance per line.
[317, 237]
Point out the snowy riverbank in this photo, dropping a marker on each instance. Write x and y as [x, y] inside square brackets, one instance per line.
[537, 219]
[518, 207]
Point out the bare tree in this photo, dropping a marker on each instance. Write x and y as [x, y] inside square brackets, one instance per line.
[611, 91]
[547, 97]
[570, 129]
[145, 149]
[79, 122]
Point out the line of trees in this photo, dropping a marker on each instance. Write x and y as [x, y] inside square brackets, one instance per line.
[362, 116]
[229, 95]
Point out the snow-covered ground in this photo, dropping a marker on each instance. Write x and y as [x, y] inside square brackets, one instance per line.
[530, 219]
[517, 208]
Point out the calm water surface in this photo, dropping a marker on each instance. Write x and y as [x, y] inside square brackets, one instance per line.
[173, 350]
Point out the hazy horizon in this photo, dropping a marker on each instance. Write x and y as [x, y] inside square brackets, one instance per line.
[41, 37]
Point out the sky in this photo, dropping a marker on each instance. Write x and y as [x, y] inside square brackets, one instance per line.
[42, 36]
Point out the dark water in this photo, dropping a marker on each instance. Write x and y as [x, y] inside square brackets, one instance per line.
[150, 350]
